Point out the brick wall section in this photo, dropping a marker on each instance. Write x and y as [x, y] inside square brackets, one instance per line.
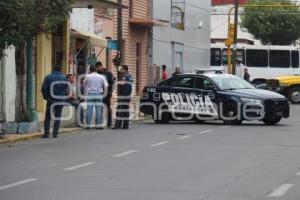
[133, 35]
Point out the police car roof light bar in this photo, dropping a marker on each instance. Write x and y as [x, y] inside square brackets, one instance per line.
[206, 71]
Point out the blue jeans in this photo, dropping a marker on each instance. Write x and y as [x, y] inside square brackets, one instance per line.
[94, 100]
[57, 111]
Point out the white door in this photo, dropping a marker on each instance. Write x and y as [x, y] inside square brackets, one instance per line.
[1, 91]
[178, 59]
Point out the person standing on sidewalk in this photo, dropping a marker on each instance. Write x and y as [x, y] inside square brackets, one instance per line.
[107, 99]
[177, 71]
[246, 75]
[124, 98]
[74, 100]
[164, 74]
[96, 88]
[54, 92]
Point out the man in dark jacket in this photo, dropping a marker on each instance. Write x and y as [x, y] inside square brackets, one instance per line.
[246, 75]
[107, 99]
[54, 92]
[124, 97]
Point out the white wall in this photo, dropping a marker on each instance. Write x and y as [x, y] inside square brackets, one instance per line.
[9, 85]
[83, 19]
[196, 41]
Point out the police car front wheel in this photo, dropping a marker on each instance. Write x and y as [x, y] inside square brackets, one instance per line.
[161, 117]
[273, 121]
[229, 115]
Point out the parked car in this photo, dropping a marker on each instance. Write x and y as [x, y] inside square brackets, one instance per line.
[206, 96]
[290, 87]
[269, 84]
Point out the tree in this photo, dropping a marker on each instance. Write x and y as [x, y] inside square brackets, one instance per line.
[272, 25]
[20, 21]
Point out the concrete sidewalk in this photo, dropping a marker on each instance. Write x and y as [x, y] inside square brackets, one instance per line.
[13, 138]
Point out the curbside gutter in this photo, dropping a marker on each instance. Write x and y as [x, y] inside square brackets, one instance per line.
[14, 138]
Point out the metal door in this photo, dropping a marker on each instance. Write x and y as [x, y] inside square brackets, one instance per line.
[178, 60]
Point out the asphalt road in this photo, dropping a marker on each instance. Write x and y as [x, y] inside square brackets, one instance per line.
[178, 161]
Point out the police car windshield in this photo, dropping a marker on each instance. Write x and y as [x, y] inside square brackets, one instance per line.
[231, 83]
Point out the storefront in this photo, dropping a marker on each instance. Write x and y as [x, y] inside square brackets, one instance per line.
[82, 50]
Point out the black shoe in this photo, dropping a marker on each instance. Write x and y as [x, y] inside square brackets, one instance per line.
[55, 136]
[45, 136]
[99, 128]
[125, 128]
[116, 128]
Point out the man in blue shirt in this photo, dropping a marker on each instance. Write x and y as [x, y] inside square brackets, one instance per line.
[54, 92]
[124, 98]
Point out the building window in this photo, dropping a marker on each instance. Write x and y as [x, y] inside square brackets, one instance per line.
[295, 59]
[138, 67]
[240, 59]
[178, 14]
[280, 59]
[257, 58]
[130, 8]
[123, 51]
[215, 57]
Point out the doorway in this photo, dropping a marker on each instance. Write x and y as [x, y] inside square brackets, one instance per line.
[177, 55]
[138, 67]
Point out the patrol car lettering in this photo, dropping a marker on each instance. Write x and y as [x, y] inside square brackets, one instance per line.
[151, 89]
[189, 103]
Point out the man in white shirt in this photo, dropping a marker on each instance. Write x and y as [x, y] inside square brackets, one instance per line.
[96, 89]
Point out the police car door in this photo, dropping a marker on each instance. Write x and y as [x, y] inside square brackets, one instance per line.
[204, 99]
[176, 94]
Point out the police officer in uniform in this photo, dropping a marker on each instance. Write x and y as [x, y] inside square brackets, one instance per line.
[124, 97]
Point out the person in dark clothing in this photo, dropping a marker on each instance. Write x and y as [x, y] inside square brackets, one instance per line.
[73, 99]
[246, 75]
[177, 71]
[54, 92]
[124, 98]
[107, 99]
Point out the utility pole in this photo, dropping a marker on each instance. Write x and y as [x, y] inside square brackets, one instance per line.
[236, 12]
[229, 42]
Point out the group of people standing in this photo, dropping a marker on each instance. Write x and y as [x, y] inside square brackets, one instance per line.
[95, 89]
[164, 73]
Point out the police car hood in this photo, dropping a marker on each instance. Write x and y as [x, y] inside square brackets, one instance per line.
[255, 94]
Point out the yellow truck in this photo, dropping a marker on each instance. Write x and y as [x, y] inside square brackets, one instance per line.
[290, 87]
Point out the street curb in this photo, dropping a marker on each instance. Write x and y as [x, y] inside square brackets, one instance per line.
[35, 135]
[31, 136]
